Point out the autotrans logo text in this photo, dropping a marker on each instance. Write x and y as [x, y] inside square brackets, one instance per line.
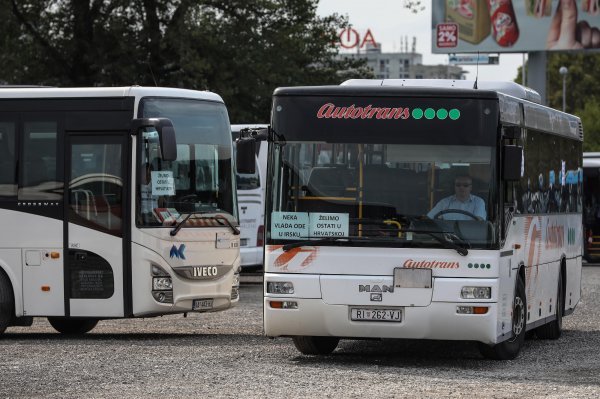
[331, 111]
[430, 264]
[177, 252]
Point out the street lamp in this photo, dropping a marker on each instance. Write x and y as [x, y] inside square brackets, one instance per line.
[564, 71]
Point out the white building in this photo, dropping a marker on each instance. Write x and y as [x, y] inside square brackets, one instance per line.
[404, 65]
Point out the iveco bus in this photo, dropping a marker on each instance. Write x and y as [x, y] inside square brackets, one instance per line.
[440, 211]
[115, 202]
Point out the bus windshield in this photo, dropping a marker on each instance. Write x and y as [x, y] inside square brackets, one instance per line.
[201, 179]
[399, 194]
[384, 171]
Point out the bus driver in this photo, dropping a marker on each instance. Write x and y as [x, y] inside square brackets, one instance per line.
[460, 205]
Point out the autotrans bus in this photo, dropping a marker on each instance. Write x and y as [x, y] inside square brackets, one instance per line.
[251, 203]
[591, 206]
[444, 212]
[115, 202]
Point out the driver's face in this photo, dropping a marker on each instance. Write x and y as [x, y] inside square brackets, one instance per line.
[462, 188]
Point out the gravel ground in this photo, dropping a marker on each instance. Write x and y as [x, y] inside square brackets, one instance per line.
[225, 355]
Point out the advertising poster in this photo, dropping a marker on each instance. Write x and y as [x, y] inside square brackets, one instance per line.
[515, 26]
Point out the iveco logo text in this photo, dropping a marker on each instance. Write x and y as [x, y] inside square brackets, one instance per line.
[177, 252]
[205, 271]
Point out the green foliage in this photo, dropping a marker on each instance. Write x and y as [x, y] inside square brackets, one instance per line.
[241, 49]
[590, 118]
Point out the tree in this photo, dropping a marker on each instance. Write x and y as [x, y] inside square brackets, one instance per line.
[582, 94]
[241, 49]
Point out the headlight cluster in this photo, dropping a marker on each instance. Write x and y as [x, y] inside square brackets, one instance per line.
[280, 287]
[235, 287]
[476, 292]
[162, 285]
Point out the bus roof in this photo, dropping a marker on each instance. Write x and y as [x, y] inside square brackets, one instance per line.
[510, 88]
[382, 91]
[127, 91]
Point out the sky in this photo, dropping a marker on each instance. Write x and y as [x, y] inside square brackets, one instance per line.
[389, 21]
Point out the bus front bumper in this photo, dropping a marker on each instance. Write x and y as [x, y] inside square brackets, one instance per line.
[438, 320]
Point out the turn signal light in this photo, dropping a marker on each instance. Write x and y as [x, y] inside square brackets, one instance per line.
[54, 255]
[45, 288]
[472, 309]
[284, 304]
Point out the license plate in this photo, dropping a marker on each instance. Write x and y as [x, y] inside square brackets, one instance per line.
[202, 304]
[366, 314]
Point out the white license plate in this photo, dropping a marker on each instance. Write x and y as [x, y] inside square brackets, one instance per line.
[367, 314]
[202, 304]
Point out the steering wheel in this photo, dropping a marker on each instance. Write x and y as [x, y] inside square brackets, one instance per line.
[445, 211]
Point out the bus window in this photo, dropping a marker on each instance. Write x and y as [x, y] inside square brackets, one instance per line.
[39, 175]
[8, 186]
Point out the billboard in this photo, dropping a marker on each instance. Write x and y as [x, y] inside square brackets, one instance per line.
[514, 26]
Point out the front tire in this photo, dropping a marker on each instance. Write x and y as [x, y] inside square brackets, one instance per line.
[7, 304]
[316, 345]
[510, 348]
[72, 326]
[553, 330]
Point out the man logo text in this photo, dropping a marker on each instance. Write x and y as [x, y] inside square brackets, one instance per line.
[375, 288]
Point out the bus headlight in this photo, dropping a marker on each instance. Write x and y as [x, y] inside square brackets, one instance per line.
[476, 292]
[162, 283]
[280, 287]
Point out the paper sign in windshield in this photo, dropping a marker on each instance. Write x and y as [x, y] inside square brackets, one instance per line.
[329, 224]
[289, 225]
[298, 225]
[163, 182]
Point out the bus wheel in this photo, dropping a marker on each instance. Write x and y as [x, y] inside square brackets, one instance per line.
[553, 330]
[510, 348]
[72, 326]
[6, 302]
[316, 345]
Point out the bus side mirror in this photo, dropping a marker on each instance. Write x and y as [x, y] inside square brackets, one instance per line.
[512, 162]
[168, 143]
[166, 135]
[245, 155]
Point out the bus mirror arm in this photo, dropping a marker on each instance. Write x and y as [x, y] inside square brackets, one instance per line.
[512, 162]
[166, 135]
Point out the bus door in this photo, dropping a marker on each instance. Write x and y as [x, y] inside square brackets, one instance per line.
[95, 224]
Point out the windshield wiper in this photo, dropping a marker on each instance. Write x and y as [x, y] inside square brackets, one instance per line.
[325, 240]
[447, 240]
[218, 218]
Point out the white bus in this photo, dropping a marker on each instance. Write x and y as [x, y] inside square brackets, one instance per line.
[251, 203]
[115, 203]
[438, 211]
[591, 206]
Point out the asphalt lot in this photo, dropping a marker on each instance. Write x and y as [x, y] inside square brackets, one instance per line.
[225, 355]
